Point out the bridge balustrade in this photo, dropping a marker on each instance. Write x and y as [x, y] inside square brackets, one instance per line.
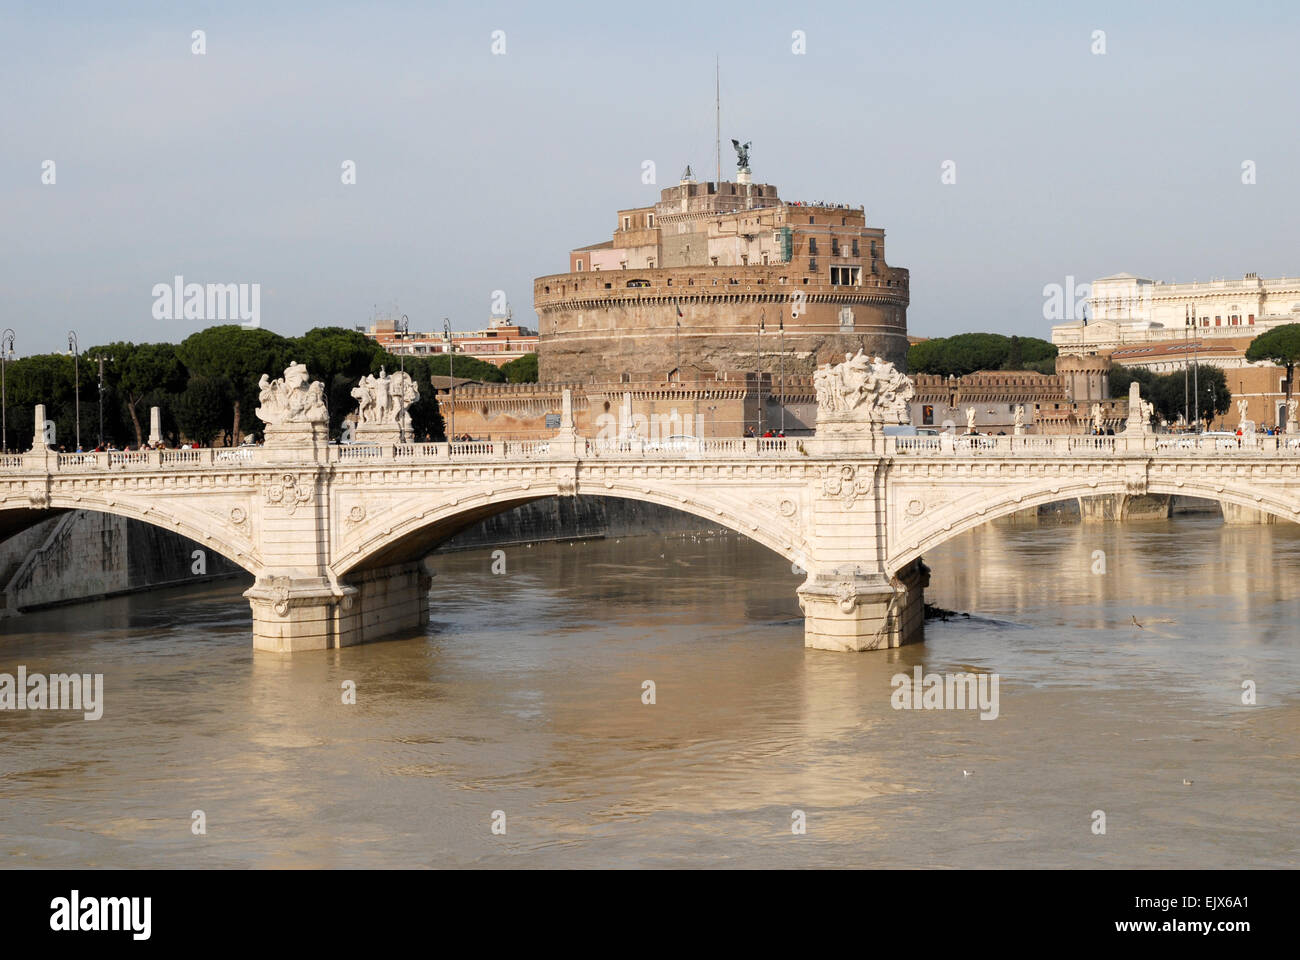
[946, 445]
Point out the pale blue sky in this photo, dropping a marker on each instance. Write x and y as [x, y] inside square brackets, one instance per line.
[479, 172]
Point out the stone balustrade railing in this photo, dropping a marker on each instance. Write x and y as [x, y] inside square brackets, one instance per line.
[1055, 446]
[944, 445]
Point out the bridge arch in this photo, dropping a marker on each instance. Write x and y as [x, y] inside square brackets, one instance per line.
[409, 531]
[971, 513]
[18, 514]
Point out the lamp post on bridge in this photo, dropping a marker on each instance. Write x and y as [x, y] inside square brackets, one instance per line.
[758, 388]
[74, 348]
[451, 374]
[781, 347]
[6, 354]
[101, 358]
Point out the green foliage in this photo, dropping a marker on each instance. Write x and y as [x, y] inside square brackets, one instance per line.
[1280, 346]
[239, 356]
[1166, 391]
[522, 370]
[43, 378]
[206, 386]
[130, 372]
[968, 352]
[1121, 376]
[331, 351]
[204, 407]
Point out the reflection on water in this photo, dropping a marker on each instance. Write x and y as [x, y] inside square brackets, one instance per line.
[525, 697]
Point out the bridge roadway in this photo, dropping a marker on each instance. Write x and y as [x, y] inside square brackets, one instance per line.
[338, 538]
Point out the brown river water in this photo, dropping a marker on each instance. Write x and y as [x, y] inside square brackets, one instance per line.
[523, 700]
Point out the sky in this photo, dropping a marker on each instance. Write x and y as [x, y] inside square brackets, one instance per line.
[476, 171]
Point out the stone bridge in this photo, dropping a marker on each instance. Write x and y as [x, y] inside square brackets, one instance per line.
[338, 536]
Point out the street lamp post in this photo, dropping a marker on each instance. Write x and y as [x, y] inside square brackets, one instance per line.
[782, 349]
[762, 322]
[1187, 342]
[101, 358]
[1196, 381]
[451, 371]
[6, 354]
[75, 349]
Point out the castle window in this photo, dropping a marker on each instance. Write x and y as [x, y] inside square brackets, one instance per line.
[835, 247]
[812, 246]
[873, 249]
[855, 248]
[843, 221]
[579, 266]
[845, 276]
[627, 223]
[649, 219]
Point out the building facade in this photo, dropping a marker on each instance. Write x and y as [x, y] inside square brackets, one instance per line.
[1125, 310]
[502, 341]
[726, 275]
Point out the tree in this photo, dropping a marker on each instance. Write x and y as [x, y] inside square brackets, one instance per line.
[968, 352]
[240, 356]
[1212, 388]
[1279, 346]
[523, 370]
[203, 407]
[1120, 377]
[41, 378]
[137, 370]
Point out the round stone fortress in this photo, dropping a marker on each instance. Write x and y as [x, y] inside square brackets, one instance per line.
[705, 278]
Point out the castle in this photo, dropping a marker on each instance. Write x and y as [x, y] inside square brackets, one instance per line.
[708, 311]
[726, 275]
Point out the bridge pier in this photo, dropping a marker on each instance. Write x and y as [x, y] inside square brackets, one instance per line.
[853, 612]
[1234, 513]
[291, 615]
[1118, 507]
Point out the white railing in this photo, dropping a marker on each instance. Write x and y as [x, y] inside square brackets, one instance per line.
[908, 444]
[676, 448]
[526, 449]
[723, 445]
[183, 456]
[360, 451]
[232, 454]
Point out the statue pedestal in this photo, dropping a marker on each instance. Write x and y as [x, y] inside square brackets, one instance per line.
[298, 440]
[382, 433]
[1292, 428]
[1018, 431]
[841, 433]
